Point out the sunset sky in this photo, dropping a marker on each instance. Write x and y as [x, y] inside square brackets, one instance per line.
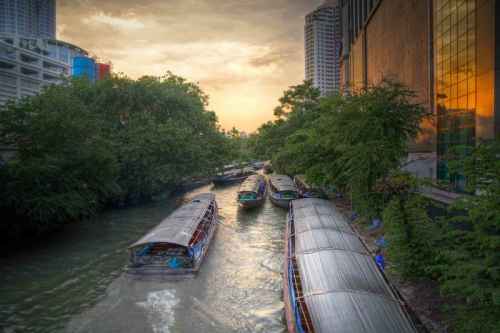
[244, 53]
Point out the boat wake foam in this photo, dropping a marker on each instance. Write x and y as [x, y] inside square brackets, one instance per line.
[160, 309]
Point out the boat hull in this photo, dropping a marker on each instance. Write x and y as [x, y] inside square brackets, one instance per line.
[228, 181]
[290, 321]
[283, 203]
[252, 203]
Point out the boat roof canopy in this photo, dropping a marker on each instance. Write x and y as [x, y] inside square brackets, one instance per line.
[251, 184]
[179, 227]
[342, 286]
[283, 183]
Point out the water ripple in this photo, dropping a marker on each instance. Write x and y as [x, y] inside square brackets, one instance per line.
[76, 282]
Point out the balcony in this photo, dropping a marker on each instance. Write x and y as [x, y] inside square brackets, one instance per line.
[7, 53]
[7, 65]
[29, 59]
[29, 72]
[57, 69]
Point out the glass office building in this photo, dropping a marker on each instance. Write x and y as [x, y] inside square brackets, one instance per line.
[465, 66]
[455, 82]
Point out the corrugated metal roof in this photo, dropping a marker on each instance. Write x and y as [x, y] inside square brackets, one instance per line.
[327, 239]
[251, 184]
[180, 226]
[342, 286]
[282, 183]
[344, 312]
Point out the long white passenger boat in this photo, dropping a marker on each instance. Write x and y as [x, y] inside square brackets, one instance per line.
[179, 243]
[331, 282]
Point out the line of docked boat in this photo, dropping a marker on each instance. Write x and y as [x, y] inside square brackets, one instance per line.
[233, 173]
[331, 282]
[179, 243]
[232, 176]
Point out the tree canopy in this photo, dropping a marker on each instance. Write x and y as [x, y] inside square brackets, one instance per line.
[352, 141]
[81, 146]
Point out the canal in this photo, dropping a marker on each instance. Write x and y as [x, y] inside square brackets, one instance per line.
[75, 281]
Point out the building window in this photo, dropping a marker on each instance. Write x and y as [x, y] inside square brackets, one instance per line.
[455, 83]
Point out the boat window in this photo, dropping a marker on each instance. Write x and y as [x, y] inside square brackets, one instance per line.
[204, 226]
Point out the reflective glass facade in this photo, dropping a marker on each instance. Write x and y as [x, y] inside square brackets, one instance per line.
[455, 78]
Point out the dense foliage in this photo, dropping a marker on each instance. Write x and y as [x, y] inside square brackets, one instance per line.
[460, 250]
[298, 107]
[351, 141]
[472, 252]
[81, 146]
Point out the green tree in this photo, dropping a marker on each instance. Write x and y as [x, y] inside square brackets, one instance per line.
[353, 141]
[64, 169]
[298, 107]
[82, 146]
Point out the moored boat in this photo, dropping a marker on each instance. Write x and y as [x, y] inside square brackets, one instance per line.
[331, 283]
[233, 176]
[252, 192]
[282, 190]
[179, 243]
[257, 165]
[306, 190]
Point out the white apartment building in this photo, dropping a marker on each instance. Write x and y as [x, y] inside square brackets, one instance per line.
[29, 64]
[30, 55]
[323, 40]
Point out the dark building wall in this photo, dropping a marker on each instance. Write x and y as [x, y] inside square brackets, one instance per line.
[395, 44]
[398, 45]
[357, 62]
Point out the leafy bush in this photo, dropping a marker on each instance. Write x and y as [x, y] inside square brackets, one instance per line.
[473, 249]
[411, 235]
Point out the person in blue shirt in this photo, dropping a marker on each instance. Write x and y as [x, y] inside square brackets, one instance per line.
[174, 263]
[379, 259]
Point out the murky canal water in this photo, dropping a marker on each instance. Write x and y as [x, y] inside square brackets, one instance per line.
[76, 282]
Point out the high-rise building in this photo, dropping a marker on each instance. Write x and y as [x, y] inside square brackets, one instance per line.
[323, 38]
[448, 52]
[28, 18]
[30, 55]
